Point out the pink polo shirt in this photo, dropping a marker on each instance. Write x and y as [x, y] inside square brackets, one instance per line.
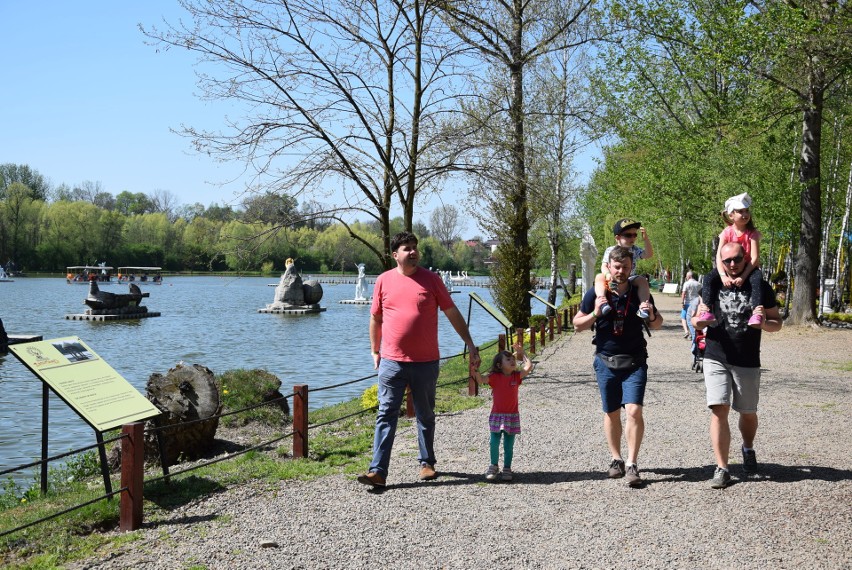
[408, 306]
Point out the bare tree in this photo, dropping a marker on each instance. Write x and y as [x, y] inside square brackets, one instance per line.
[165, 202]
[445, 224]
[339, 95]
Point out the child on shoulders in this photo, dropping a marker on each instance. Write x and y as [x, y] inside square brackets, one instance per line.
[626, 231]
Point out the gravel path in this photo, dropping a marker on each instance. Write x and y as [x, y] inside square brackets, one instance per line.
[561, 511]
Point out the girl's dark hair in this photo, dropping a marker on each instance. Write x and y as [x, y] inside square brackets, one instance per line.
[498, 358]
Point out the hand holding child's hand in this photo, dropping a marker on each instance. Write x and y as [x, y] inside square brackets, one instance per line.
[738, 282]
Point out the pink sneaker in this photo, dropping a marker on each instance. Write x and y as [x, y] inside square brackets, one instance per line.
[755, 321]
[707, 318]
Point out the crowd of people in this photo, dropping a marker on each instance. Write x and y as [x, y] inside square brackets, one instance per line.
[732, 308]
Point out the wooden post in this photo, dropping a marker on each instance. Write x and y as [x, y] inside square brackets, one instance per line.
[542, 332]
[300, 420]
[409, 404]
[559, 322]
[551, 322]
[472, 386]
[132, 476]
[520, 333]
[501, 342]
[532, 341]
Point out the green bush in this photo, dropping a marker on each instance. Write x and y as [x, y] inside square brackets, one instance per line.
[243, 388]
[841, 317]
[370, 397]
[537, 320]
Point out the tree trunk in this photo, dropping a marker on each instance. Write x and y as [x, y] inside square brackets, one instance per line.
[803, 308]
[184, 394]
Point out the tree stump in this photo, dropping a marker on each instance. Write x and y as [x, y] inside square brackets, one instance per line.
[184, 394]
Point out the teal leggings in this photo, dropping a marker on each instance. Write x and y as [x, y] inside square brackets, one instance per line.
[508, 448]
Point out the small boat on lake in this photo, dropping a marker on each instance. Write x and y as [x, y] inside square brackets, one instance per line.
[83, 274]
[138, 274]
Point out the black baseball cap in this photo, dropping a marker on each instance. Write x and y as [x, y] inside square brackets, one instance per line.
[624, 224]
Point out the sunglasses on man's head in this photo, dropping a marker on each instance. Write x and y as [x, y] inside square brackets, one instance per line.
[630, 235]
[735, 259]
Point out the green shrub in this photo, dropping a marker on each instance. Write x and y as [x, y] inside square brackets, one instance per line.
[243, 388]
[841, 317]
[537, 320]
[370, 397]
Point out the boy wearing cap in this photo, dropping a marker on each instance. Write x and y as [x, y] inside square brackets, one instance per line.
[626, 231]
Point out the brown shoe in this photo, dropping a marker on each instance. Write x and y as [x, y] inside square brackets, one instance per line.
[427, 472]
[373, 478]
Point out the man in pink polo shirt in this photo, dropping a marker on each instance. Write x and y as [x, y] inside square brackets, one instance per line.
[404, 341]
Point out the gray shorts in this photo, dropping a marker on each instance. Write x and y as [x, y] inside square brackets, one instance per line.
[723, 379]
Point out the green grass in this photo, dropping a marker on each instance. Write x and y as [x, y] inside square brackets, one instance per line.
[340, 447]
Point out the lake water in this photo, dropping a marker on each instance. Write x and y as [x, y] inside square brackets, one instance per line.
[211, 321]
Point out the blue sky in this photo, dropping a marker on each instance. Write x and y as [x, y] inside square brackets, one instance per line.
[85, 99]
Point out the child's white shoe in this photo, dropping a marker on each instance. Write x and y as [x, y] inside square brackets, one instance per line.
[491, 472]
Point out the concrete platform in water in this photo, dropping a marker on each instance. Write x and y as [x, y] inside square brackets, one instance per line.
[129, 317]
[355, 302]
[305, 311]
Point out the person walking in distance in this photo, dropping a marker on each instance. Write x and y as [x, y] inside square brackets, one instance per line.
[620, 362]
[404, 344]
[732, 360]
[690, 290]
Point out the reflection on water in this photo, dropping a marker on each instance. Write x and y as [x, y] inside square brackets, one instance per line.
[211, 321]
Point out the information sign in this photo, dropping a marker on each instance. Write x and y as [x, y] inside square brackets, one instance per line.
[85, 382]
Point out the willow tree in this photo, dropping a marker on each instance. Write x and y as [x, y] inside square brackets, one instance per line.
[509, 36]
[340, 100]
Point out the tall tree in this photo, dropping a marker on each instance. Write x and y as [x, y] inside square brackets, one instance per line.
[29, 177]
[445, 224]
[338, 95]
[509, 35]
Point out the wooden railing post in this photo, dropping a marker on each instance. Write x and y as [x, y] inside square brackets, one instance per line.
[542, 332]
[300, 420]
[532, 341]
[551, 323]
[472, 386]
[501, 342]
[559, 322]
[132, 476]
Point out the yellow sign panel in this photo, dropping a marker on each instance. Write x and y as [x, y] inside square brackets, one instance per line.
[85, 382]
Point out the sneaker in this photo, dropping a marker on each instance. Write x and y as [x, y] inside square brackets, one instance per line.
[507, 474]
[616, 469]
[749, 461]
[427, 472]
[605, 309]
[721, 478]
[755, 321]
[491, 472]
[373, 478]
[707, 318]
[632, 477]
[642, 314]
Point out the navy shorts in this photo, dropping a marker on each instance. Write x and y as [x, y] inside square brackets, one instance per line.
[620, 387]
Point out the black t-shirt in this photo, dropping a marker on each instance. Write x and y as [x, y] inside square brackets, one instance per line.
[624, 307]
[731, 340]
